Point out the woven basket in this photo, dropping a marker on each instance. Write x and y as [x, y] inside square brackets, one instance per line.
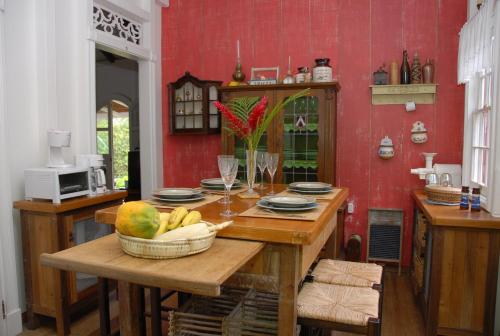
[157, 249]
[443, 194]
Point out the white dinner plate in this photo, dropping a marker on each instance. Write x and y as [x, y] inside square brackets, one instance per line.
[289, 201]
[310, 185]
[216, 182]
[263, 204]
[189, 199]
[310, 192]
[173, 193]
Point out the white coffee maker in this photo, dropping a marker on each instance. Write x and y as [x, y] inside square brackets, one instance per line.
[97, 176]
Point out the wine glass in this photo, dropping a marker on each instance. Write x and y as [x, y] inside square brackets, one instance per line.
[272, 164]
[228, 168]
[225, 199]
[261, 163]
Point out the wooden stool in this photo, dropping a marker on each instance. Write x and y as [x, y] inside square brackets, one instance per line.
[348, 273]
[343, 308]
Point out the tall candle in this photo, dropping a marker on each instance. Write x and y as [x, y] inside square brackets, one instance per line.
[289, 63]
[238, 49]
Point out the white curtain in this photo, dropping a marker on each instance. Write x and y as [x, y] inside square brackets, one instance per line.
[475, 48]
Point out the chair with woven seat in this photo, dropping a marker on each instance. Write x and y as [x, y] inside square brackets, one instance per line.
[348, 273]
[343, 308]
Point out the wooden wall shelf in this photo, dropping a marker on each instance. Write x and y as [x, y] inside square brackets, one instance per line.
[401, 94]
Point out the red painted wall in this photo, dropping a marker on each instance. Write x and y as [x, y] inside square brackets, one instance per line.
[358, 36]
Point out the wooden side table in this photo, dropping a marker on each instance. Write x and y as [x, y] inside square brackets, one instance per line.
[49, 228]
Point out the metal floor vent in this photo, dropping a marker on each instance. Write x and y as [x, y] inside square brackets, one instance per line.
[385, 231]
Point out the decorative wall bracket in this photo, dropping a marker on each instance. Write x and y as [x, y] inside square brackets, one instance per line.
[401, 94]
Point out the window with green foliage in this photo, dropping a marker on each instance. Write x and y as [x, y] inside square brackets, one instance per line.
[117, 137]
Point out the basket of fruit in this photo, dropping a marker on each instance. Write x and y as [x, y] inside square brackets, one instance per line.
[146, 233]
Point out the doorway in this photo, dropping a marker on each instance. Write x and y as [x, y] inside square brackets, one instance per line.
[117, 121]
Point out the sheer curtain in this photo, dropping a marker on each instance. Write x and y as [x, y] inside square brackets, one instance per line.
[479, 70]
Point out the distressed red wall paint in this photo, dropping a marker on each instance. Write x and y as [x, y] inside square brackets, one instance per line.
[359, 36]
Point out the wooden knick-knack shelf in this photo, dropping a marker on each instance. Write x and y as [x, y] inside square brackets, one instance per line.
[401, 94]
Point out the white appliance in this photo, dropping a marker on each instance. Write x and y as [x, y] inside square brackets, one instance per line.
[97, 177]
[56, 184]
[58, 139]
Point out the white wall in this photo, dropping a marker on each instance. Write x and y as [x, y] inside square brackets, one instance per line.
[48, 60]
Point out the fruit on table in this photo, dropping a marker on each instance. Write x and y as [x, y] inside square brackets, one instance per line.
[191, 231]
[137, 219]
[164, 216]
[191, 218]
[176, 217]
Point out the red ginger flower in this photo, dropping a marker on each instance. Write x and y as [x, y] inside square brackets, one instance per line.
[257, 113]
[235, 123]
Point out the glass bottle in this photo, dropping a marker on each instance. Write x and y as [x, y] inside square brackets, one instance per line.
[464, 199]
[476, 200]
[405, 69]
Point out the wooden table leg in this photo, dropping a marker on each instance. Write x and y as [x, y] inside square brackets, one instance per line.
[104, 320]
[288, 289]
[61, 302]
[131, 309]
[155, 297]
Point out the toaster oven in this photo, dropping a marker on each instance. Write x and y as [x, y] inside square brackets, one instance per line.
[56, 184]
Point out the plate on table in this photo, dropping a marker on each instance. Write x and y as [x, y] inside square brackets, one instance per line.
[216, 182]
[289, 201]
[174, 193]
[264, 204]
[441, 203]
[310, 192]
[187, 199]
[310, 186]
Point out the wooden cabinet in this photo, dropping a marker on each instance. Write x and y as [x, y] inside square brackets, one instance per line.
[48, 228]
[191, 106]
[454, 268]
[304, 133]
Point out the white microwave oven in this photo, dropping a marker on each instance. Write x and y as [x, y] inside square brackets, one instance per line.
[56, 184]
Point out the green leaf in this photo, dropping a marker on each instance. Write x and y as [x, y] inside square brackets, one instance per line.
[242, 106]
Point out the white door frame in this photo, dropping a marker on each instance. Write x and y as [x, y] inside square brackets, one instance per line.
[150, 126]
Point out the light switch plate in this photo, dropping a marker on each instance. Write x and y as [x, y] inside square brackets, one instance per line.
[350, 207]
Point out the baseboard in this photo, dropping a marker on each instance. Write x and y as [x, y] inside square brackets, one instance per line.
[14, 322]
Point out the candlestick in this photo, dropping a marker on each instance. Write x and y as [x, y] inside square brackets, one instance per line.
[238, 50]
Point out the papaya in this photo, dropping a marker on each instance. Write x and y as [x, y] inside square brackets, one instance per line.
[137, 219]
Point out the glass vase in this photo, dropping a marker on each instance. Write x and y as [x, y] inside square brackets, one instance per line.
[251, 160]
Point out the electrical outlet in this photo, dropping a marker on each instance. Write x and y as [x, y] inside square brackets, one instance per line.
[350, 207]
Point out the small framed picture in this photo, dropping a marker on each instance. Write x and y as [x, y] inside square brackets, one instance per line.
[264, 75]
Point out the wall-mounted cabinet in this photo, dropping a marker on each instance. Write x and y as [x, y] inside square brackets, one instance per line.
[191, 106]
[401, 94]
[304, 133]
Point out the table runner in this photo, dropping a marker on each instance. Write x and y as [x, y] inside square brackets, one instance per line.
[309, 215]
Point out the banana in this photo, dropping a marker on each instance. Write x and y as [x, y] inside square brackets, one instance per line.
[176, 217]
[193, 217]
[164, 216]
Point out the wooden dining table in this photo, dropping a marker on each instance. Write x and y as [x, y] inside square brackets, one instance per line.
[267, 254]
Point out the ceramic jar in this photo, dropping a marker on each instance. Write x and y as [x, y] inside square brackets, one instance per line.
[303, 75]
[322, 72]
[418, 133]
[386, 148]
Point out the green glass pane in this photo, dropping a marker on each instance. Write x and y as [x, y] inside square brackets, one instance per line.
[102, 142]
[300, 140]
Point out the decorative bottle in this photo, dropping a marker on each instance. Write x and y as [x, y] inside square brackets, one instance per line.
[428, 72]
[416, 70]
[394, 76]
[405, 69]
[476, 200]
[464, 199]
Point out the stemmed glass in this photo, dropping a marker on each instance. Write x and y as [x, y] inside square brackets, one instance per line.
[228, 168]
[225, 199]
[272, 165]
[261, 163]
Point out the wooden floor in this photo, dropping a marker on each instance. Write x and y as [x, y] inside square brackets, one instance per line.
[400, 315]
